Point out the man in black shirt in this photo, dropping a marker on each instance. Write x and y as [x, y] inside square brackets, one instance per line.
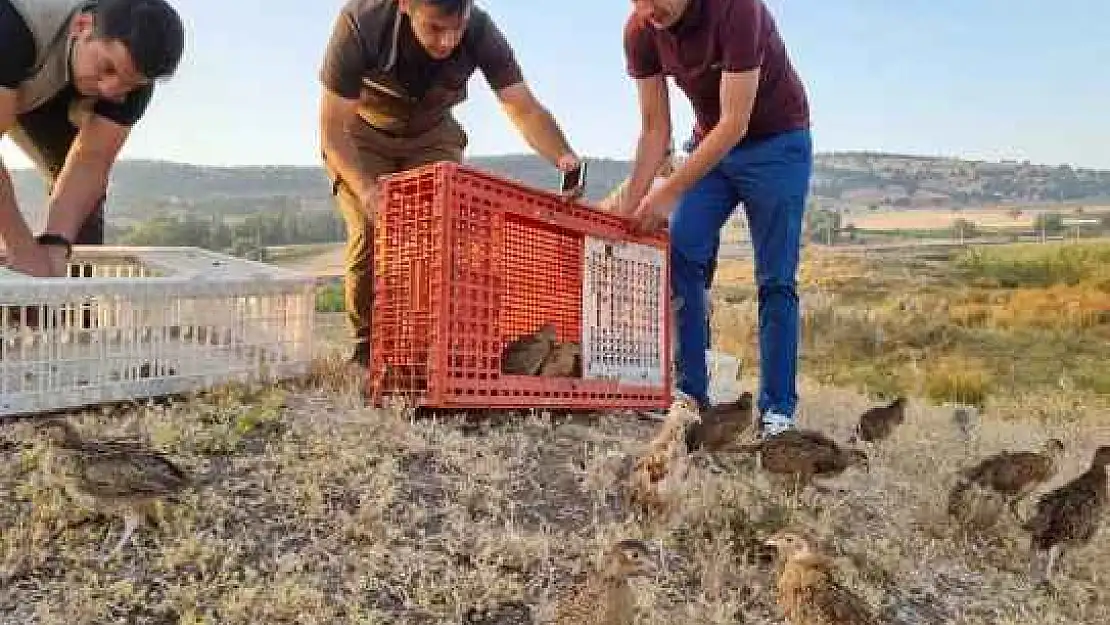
[75, 76]
[393, 73]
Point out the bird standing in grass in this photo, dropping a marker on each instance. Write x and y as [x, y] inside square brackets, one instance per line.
[808, 591]
[1013, 474]
[1067, 516]
[805, 454]
[878, 423]
[112, 477]
[655, 477]
[721, 425]
[526, 355]
[605, 597]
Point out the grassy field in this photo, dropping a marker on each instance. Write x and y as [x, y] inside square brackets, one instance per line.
[315, 509]
[1001, 325]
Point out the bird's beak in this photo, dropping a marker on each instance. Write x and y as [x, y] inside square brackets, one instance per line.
[771, 542]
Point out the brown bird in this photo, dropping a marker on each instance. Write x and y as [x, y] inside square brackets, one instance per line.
[721, 425]
[565, 361]
[605, 597]
[1068, 516]
[526, 355]
[112, 477]
[654, 478]
[805, 454]
[1013, 474]
[878, 423]
[808, 590]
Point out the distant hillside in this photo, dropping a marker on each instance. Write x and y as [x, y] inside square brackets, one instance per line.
[142, 188]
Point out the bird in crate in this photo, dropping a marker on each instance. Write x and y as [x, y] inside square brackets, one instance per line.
[527, 354]
[565, 361]
[121, 476]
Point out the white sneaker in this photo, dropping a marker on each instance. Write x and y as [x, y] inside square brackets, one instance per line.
[774, 423]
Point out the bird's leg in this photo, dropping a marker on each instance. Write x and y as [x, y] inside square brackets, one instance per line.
[1053, 557]
[1036, 571]
[131, 522]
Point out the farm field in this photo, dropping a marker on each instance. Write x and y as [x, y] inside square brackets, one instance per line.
[313, 508]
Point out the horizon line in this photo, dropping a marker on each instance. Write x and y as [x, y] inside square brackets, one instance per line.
[819, 153]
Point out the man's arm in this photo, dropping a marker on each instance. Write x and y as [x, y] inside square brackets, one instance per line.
[741, 36]
[655, 137]
[341, 74]
[737, 97]
[337, 114]
[536, 124]
[84, 177]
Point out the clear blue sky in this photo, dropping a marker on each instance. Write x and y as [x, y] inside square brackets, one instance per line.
[983, 79]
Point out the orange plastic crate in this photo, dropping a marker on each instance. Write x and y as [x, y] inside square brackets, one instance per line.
[466, 261]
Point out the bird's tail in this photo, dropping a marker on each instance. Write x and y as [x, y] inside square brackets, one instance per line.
[748, 448]
[854, 438]
[956, 498]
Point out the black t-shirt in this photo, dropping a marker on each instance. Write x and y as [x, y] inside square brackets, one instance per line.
[17, 58]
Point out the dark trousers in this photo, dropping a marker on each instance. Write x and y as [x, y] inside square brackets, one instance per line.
[46, 134]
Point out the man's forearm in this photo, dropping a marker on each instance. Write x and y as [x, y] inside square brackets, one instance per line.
[14, 232]
[342, 157]
[542, 132]
[80, 185]
[650, 151]
[705, 157]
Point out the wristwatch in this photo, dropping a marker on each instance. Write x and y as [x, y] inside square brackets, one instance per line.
[49, 238]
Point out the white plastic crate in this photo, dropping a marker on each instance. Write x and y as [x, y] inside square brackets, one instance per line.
[137, 322]
[724, 376]
[624, 295]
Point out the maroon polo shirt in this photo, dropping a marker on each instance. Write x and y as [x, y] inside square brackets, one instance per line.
[715, 36]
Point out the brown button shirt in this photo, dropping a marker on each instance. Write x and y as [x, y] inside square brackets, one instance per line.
[413, 95]
[715, 36]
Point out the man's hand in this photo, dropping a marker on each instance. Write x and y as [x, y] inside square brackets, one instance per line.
[566, 164]
[368, 199]
[653, 212]
[36, 260]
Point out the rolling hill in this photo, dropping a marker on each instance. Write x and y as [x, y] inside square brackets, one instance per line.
[143, 188]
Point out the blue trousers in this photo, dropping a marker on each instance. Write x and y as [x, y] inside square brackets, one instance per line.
[770, 177]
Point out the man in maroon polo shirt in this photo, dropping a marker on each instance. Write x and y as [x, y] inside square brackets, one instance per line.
[752, 146]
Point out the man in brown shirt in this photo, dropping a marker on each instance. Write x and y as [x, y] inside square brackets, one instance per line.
[751, 146]
[392, 73]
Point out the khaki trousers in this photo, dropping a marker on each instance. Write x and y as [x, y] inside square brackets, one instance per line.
[379, 154]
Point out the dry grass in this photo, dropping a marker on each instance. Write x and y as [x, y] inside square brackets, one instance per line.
[318, 510]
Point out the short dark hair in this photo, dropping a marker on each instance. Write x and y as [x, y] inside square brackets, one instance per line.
[448, 7]
[150, 29]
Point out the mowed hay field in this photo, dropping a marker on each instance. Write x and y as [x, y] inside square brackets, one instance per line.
[312, 508]
[1000, 219]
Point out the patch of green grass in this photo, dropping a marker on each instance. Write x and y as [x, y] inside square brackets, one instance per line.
[329, 298]
[1036, 266]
